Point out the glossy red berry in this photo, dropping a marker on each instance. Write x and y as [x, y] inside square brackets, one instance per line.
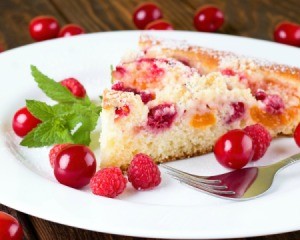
[1, 49]
[287, 33]
[297, 135]
[74, 166]
[55, 150]
[23, 122]
[159, 25]
[75, 87]
[43, 28]
[234, 149]
[146, 13]
[71, 30]
[260, 95]
[10, 229]
[208, 19]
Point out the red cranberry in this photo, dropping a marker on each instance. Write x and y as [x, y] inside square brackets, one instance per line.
[238, 111]
[147, 97]
[287, 33]
[228, 72]
[122, 111]
[260, 95]
[234, 149]
[43, 28]
[150, 64]
[10, 229]
[161, 116]
[1, 49]
[71, 30]
[146, 13]
[159, 25]
[274, 104]
[24, 122]
[74, 166]
[208, 19]
[297, 135]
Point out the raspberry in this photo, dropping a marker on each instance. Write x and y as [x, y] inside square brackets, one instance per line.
[75, 87]
[274, 104]
[261, 139]
[161, 116]
[238, 111]
[108, 182]
[228, 72]
[143, 173]
[55, 151]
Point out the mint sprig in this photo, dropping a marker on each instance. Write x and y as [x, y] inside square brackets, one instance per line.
[70, 120]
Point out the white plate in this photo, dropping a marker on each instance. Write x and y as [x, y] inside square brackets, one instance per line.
[169, 211]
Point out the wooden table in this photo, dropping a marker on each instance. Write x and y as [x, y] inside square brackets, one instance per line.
[252, 18]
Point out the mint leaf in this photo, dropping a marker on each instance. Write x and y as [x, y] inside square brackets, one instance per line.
[40, 110]
[51, 88]
[71, 120]
[51, 132]
[29, 141]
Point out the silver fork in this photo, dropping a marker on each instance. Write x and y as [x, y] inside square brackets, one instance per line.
[242, 184]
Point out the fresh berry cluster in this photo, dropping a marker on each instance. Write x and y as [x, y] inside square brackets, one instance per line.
[238, 147]
[24, 121]
[148, 16]
[142, 173]
[47, 27]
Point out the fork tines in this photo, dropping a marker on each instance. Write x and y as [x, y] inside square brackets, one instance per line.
[210, 185]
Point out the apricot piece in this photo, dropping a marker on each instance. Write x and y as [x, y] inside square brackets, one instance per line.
[203, 120]
[272, 120]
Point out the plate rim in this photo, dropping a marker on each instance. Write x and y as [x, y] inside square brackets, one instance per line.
[15, 165]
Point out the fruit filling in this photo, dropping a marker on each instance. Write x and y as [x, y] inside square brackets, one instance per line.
[161, 116]
[145, 96]
[260, 95]
[203, 120]
[274, 104]
[143, 74]
[269, 119]
[122, 111]
[238, 112]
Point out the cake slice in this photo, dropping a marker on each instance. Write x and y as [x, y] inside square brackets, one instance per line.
[181, 116]
[175, 102]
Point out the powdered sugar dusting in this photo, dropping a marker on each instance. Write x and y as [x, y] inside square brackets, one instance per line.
[225, 59]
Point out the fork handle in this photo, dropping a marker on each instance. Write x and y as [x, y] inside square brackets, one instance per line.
[286, 162]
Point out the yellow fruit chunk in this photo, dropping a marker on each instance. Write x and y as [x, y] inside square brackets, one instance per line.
[203, 120]
[272, 120]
